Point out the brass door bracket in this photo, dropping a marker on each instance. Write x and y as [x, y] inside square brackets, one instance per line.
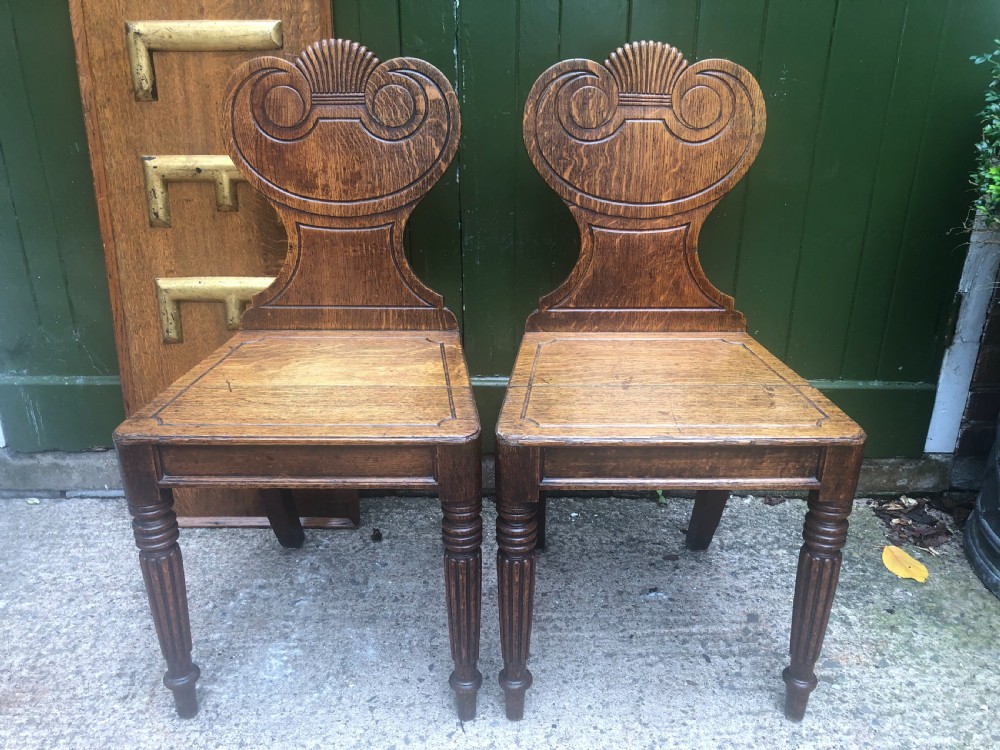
[142, 37]
[160, 170]
[232, 291]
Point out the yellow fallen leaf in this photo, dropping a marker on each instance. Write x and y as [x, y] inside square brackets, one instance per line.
[902, 564]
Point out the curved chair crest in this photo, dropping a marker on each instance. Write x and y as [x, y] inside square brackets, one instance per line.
[641, 148]
[343, 146]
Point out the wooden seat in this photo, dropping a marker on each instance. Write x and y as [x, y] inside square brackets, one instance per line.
[661, 388]
[327, 386]
[637, 373]
[348, 371]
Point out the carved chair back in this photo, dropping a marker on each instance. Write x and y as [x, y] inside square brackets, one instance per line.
[344, 147]
[641, 149]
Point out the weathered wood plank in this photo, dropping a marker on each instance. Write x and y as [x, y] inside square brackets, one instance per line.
[792, 71]
[862, 67]
[931, 257]
[487, 88]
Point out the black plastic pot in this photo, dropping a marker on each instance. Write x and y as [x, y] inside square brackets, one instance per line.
[982, 532]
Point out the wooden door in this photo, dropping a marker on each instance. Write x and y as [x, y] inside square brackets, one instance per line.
[186, 240]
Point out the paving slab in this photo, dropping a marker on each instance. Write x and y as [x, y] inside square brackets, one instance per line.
[637, 642]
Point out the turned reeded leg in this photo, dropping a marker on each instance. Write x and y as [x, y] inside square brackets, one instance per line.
[824, 535]
[705, 517]
[155, 527]
[517, 508]
[283, 515]
[540, 515]
[459, 472]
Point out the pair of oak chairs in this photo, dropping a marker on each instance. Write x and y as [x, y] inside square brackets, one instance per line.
[635, 374]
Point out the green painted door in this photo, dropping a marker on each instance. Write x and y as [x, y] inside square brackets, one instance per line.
[841, 246]
[59, 383]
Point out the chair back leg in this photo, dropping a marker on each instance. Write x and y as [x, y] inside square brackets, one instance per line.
[705, 517]
[284, 517]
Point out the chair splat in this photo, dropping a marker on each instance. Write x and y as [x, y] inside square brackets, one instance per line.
[344, 146]
[641, 149]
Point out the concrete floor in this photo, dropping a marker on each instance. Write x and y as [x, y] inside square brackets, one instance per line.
[344, 644]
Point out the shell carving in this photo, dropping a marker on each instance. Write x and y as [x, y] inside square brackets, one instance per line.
[329, 119]
[681, 134]
[337, 66]
[646, 68]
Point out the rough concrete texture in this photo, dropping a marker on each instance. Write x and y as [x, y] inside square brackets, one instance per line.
[343, 643]
[57, 471]
[932, 473]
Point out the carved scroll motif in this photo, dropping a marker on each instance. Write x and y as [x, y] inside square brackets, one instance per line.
[343, 146]
[706, 119]
[402, 112]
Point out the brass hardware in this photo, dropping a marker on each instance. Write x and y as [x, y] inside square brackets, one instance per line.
[142, 37]
[160, 170]
[233, 291]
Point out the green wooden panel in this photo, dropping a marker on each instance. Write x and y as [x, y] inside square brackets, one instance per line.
[18, 313]
[347, 19]
[860, 76]
[61, 413]
[379, 29]
[899, 152]
[792, 74]
[39, 245]
[50, 80]
[489, 394]
[580, 33]
[488, 90]
[931, 255]
[55, 318]
[734, 31]
[671, 21]
[50, 207]
[893, 415]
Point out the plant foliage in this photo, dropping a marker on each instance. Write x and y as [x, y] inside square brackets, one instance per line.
[986, 176]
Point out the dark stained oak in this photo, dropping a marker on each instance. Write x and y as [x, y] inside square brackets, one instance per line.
[283, 515]
[708, 508]
[637, 373]
[540, 515]
[348, 372]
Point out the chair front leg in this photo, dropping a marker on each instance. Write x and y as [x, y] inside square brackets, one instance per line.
[541, 514]
[155, 528]
[461, 503]
[517, 527]
[824, 535]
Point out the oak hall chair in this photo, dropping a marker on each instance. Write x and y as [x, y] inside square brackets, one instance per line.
[637, 373]
[348, 371]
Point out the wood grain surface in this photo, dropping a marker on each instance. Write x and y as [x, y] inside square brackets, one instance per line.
[637, 373]
[349, 373]
[661, 388]
[318, 387]
[181, 118]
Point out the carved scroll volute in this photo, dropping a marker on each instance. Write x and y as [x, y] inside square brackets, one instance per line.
[641, 148]
[344, 147]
